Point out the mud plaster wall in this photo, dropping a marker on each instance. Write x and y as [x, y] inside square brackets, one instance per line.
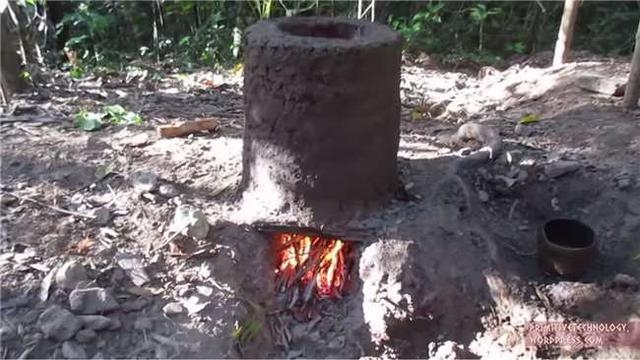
[322, 114]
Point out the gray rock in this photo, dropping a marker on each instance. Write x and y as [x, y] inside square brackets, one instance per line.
[483, 196]
[85, 335]
[143, 323]
[524, 130]
[95, 322]
[92, 301]
[190, 221]
[73, 350]
[625, 281]
[337, 343]
[172, 308]
[102, 216]
[7, 332]
[560, 168]
[168, 191]
[115, 324]
[134, 305]
[144, 181]
[58, 323]
[70, 275]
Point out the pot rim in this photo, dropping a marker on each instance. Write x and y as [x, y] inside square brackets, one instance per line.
[549, 243]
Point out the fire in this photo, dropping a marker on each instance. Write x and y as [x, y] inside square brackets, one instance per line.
[317, 265]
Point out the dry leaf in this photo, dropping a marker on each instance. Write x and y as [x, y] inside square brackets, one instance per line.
[83, 246]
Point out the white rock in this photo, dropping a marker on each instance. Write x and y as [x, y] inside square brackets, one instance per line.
[172, 308]
[168, 191]
[483, 196]
[190, 221]
[70, 275]
[58, 323]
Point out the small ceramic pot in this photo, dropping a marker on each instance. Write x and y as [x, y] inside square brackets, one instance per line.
[566, 247]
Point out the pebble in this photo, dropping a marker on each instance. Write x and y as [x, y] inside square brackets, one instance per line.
[625, 281]
[135, 305]
[58, 323]
[143, 323]
[524, 130]
[144, 181]
[483, 196]
[168, 191]
[190, 221]
[7, 332]
[73, 350]
[172, 308]
[92, 301]
[95, 322]
[337, 343]
[85, 335]
[102, 216]
[560, 168]
[70, 275]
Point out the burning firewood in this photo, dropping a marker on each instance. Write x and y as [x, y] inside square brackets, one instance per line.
[309, 267]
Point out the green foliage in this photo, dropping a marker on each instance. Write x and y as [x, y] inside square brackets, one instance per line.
[246, 331]
[208, 33]
[112, 114]
[418, 30]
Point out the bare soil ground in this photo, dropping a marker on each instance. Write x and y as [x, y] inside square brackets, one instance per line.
[441, 273]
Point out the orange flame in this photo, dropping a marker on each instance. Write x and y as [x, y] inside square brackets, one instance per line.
[305, 259]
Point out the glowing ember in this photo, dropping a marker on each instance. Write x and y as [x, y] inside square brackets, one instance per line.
[315, 264]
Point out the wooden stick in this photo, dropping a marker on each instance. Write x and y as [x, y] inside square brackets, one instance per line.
[187, 127]
[305, 230]
[54, 208]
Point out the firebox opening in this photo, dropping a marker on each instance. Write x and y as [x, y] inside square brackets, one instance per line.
[309, 267]
[330, 31]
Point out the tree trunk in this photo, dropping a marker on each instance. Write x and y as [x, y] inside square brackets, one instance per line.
[632, 93]
[10, 61]
[565, 34]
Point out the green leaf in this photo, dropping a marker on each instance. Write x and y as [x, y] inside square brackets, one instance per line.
[133, 118]
[88, 121]
[115, 110]
[529, 119]
[76, 72]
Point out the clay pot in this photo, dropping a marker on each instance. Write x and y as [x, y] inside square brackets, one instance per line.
[566, 247]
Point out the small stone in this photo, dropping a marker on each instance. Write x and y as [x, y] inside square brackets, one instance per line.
[135, 305]
[143, 323]
[58, 323]
[92, 301]
[483, 196]
[337, 343]
[85, 335]
[95, 322]
[625, 281]
[102, 216]
[623, 183]
[524, 130]
[73, 350]
[172, 308]
[115, 324]
[70, 275]
[7, 332]
[144, 181]
[190, 221]
[560, 168]
[168, 191]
